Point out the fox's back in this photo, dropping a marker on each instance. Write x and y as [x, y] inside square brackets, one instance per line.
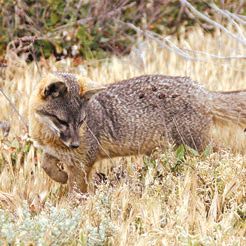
[139, 114]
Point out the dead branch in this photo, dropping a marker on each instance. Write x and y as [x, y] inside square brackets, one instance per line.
[212, 22]
[228, 16]
[107, 15]
[240, 19]
[165, 42]
[23, 44]
[15, 109]
[3, 65]
[5, 127]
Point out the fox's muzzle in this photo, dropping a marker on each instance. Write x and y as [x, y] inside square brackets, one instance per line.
[74, 144]
[74, 140]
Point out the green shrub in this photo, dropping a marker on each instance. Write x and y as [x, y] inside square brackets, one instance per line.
[89, 29]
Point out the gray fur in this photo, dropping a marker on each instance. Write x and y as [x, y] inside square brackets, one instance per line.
[137, 115]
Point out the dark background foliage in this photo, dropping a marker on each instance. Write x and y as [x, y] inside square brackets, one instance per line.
[94, 29]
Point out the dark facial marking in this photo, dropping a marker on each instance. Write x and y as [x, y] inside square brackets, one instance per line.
[54, 117]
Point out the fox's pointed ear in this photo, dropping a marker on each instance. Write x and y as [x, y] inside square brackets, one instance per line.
[55, 89]
[88, 94]
[88, 87]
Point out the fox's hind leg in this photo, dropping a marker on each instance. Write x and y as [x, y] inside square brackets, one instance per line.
[50, 166]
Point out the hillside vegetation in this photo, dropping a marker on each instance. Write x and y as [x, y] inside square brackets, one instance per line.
[96, 29]
[174, 197]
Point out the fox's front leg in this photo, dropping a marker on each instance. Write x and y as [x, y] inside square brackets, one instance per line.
[78, 178]
[50, 166]
[79, 170]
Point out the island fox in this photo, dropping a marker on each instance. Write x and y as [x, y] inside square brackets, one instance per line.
[77, 125]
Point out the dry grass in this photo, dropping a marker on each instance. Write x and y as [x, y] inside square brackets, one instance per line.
[162, 200]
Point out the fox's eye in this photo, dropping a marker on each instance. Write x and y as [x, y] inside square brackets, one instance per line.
[63, 122]
[60, 122]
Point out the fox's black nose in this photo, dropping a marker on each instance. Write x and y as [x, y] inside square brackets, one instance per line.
[74, 145]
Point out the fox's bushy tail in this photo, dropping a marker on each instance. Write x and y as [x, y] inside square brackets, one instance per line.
[229, 107]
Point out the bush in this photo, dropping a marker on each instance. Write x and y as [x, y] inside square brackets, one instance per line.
[91, 29]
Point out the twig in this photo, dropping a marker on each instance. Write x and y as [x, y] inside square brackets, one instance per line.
[238, 18]
[15, 109]
[5, 126]
[108, 15]
[3, 65]
[225, 14]
[212, 22]
[216, 56]
[35, 60]
[242, 16]
[111, 13]
[23, 44]
[185, 53]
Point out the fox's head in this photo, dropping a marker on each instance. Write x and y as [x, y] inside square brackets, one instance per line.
[61, 105]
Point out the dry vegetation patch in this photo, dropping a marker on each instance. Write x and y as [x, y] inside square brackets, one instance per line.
[171, 198]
